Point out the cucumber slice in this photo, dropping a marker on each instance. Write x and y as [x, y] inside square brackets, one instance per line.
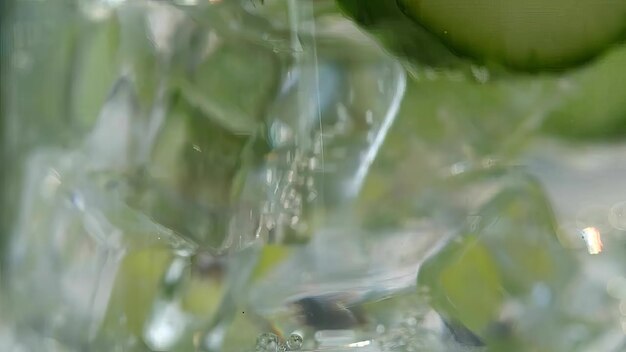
[524, 34]
[594, 106]
[397, 33]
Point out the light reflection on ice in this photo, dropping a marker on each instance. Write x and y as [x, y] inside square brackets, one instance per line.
[592, 238]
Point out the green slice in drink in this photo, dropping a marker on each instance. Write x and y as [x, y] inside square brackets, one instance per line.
[526, 34]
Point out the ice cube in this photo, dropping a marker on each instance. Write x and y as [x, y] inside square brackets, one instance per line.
[584, 183]
[69, 241]
[340, 268]
[189, 183]
[501, 277]
[324, 129]
[208, 143]
[231, 82]
[111, 139]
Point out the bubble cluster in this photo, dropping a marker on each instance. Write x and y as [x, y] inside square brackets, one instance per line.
[410, 334]
[269, 342]
[291, 187]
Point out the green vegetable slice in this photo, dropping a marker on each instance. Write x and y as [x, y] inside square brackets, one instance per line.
[525, 34]
[398, 33]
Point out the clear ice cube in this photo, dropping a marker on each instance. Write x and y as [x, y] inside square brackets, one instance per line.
[503, 277]
[70, 239]
[324, 129]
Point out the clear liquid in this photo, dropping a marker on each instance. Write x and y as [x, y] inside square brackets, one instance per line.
[239, 175]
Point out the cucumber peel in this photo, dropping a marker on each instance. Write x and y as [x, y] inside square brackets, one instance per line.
[398, 33]
[523, 34]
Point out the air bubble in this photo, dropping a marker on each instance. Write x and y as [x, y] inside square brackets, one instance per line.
[294, 343]
[267, 342]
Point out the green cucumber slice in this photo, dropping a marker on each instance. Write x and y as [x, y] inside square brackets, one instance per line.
[524, 34]
[397, 33]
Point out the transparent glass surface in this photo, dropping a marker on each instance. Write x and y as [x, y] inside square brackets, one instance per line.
[312, 175]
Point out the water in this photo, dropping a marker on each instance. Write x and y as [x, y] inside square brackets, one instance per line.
[581, 205]
[73, 249]
[268, 176]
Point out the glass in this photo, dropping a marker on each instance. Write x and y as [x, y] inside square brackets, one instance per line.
[315, 175]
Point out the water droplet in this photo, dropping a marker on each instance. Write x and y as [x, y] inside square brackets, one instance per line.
[294, 343]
